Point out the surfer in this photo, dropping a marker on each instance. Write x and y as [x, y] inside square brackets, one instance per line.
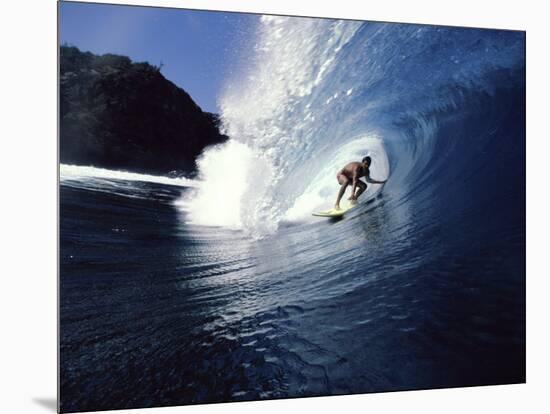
[350, 174]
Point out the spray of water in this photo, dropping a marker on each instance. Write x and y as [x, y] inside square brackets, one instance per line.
[281, 159]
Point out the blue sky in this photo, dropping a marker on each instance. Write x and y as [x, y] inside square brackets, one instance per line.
[198, 48]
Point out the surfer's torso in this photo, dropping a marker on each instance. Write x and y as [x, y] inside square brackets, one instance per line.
[354, 168]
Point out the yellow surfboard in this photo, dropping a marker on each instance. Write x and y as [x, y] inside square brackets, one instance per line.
[333, 212]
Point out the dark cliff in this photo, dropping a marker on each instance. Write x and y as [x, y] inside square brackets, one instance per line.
[123, 115]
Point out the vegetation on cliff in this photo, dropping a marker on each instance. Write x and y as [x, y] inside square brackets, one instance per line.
[118, 114]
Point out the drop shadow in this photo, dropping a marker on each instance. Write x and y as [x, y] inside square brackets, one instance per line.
[48, 403]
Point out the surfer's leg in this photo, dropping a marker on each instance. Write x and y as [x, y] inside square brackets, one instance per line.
[344, 182]
[362, 187]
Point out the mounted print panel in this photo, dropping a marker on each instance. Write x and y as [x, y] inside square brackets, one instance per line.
[258, 207]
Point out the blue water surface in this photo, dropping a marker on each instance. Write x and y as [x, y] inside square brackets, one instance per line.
[421, 286]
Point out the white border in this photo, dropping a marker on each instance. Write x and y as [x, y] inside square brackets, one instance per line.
[28, 123]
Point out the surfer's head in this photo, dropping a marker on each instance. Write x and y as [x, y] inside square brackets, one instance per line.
[366, 160]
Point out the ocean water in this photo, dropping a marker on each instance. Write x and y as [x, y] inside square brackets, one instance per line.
[224, 288]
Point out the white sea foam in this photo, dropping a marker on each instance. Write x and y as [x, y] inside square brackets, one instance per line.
[227, 176]
[79, 173]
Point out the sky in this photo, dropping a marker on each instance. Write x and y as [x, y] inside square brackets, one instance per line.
[198, 49]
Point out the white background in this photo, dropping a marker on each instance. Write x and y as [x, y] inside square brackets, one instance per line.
[28, 204]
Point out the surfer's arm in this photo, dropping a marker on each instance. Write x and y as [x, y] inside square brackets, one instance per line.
[372, 181]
